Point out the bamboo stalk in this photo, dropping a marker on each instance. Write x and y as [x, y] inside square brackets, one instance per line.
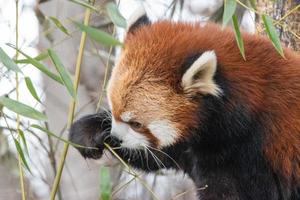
[72, 105]
[21, 172]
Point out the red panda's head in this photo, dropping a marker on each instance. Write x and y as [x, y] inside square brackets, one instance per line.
[153, 87]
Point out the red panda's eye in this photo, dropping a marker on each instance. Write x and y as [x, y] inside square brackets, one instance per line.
[135, 125]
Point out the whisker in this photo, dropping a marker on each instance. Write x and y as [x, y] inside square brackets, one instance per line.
[152, 156]
[107, 130]
[105, 120]
[172, 159]
[156, 159]
[147, 158]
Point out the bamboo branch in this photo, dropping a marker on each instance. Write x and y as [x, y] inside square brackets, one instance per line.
[21, 172]
[72, 106]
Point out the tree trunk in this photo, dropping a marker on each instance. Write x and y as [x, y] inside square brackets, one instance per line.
[288, 12]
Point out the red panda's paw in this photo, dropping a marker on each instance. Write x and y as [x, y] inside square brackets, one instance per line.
[91, 132]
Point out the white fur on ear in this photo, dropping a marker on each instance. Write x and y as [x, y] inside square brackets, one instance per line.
[199, 77]
[135, 16]
[137, 19]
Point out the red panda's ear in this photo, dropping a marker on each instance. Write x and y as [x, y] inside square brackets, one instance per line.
[199, 76]
[137, 20]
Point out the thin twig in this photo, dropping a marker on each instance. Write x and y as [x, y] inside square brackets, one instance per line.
[129, 170]
[51, 156]
[122, 186]
[276, 22]
[26, 128]
[187, 191]
[107, 67]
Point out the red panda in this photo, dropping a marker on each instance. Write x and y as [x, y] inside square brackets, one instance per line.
[185, 93]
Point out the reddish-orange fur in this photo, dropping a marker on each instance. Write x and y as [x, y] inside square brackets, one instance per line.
[250, 79]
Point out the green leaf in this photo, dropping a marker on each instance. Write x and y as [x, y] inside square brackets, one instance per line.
[229, 9]
[59, 138]
[59, 25]
[105, 184]
[22, 109]
[115, 15]
[64, 74]
[22, 136]
[40, 66]
[98, 35]
[8, 62]
[271, 31]
[85, 4]
[31, 88]
[20, 151]
[238, 35]
[40, 57]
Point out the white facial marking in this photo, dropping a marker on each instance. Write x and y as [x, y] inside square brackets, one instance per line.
[130, 138]
[126, 116]
[164, 132]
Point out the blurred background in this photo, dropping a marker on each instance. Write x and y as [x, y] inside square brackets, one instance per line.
[47, 24]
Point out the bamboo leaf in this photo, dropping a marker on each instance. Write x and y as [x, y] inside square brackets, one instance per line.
[64, 74]
[59, 138]
[20, 151]
[238, 35]
[40, 66]
[8, 62]
[22, 136]
[85, 4]
[105, 184]
[40, 57]
[98, 35]
[31, 89]
[271, 31]
[59, 25]
[229, 9]
[21, 109]
[115, 15]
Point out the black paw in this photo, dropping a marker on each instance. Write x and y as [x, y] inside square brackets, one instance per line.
[91, 132]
